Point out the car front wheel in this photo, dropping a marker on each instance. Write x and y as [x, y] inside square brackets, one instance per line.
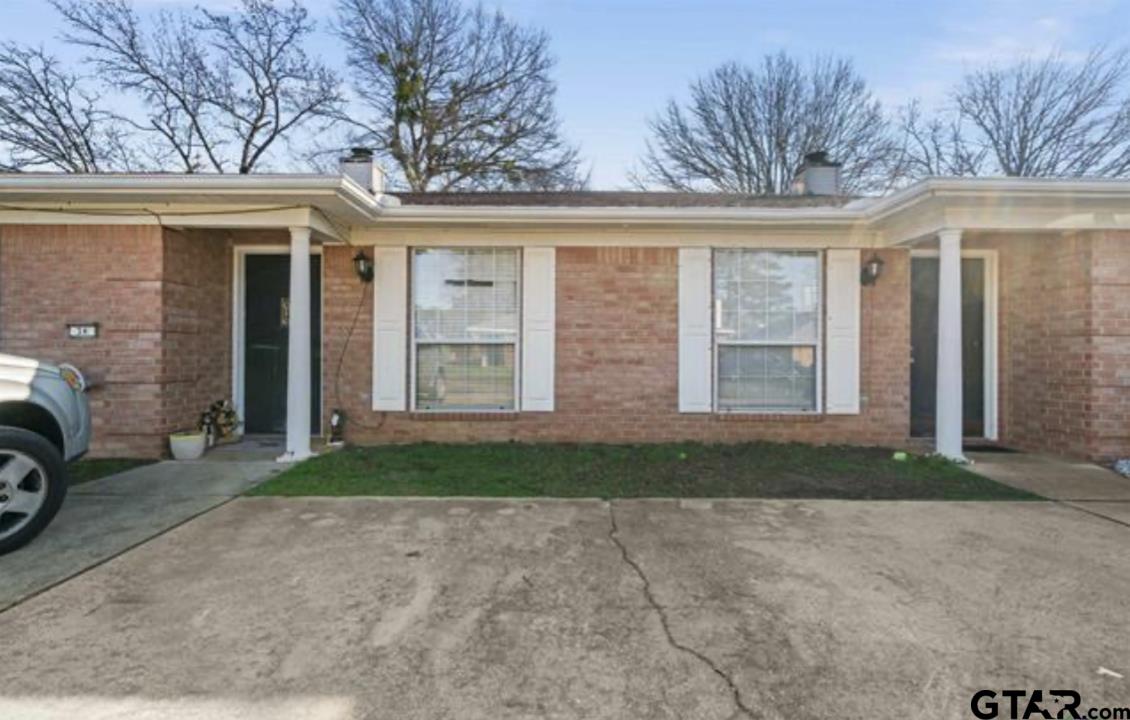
[33, 483]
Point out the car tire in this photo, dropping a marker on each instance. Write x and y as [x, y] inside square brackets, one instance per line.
[33, 483]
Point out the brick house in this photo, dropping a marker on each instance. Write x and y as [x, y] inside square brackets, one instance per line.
[994, 310]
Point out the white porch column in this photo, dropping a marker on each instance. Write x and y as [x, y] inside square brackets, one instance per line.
[298, 350]
[948, 421]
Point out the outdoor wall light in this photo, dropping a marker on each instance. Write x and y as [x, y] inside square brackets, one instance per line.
[337, 426]
[363, 266]
[872, 269]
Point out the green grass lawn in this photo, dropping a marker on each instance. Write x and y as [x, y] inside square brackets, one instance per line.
[94, 468]
[759, 470]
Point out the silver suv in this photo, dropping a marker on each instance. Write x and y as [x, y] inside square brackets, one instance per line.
[44, 424]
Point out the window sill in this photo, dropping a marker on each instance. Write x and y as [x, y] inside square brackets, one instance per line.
[770, 417]
[468, 416]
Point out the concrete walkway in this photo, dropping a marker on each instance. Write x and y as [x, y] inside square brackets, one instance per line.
[105, 517]
[1081, 485]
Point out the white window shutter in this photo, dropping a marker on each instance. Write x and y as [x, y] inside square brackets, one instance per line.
[842, 336]
[539, 320]
[695, 334]
[390, 328]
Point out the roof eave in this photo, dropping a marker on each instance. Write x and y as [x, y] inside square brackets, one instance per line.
[354, 205]
[997, 187]
[510, 215]
[337, 194]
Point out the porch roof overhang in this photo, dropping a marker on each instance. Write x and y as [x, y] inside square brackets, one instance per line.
[1000, 204]
[329, 205]
[335, 207]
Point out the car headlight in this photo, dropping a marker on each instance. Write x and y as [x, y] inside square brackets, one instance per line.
[72, 377]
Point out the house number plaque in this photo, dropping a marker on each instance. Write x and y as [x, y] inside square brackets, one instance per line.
[82, 331]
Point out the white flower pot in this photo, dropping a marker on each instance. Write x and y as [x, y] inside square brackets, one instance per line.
[187, 446]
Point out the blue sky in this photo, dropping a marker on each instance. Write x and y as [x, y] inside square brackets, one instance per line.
[619, 61]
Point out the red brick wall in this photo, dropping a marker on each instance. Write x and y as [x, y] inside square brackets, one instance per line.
[52, 275]
[1110, 348]
[1065, 342]
[163, 304]
[1045, 350]
[616, 365]
[196, 305]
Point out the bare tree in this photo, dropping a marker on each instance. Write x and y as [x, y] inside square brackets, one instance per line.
[1052, 117]
[219, 89]
[456, 97]
[747, 129]
[48, 120]
[939, 145]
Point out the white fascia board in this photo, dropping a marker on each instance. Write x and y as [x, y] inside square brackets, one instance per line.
[995, 187]
[495, 215]
[337, 196]
[1104, 187]
[859, 211]
[20, 183]
[351, 204]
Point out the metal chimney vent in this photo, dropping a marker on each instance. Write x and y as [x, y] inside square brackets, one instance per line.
[818, 175]
[361, 166]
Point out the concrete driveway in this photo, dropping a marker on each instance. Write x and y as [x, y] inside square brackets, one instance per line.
[105, 517]
[366, 608]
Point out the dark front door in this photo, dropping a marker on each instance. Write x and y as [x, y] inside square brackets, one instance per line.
[924, 345]
[267, 316]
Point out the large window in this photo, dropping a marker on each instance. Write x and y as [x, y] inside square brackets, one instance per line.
[766, 329]
[465, 328]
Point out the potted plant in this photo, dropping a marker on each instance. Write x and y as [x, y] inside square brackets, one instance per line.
[217, 424]
[220, 423]
[188, 445]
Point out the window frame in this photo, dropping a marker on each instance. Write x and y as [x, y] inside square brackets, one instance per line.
[414, 342]
[817, 345]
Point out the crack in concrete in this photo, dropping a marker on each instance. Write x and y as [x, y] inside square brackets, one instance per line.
[613, 534]
[1074, 506]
